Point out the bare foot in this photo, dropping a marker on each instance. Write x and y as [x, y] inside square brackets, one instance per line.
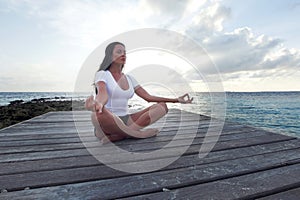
[99, 133]
[97, 129]
[112, 138]
[105, 140]
[150, 132]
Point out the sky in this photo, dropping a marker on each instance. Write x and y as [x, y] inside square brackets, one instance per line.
[254, 44]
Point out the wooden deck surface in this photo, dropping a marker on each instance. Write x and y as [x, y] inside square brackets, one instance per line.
[44, 158]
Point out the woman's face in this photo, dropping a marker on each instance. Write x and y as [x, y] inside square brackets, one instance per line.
[119, 54]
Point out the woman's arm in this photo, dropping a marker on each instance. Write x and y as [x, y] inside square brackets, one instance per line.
[100, 100]
[101, 97]
[141, 92]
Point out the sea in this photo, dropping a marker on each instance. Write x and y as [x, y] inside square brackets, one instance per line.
[278, 112]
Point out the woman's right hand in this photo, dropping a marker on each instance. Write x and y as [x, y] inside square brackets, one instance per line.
[98, 106]
[89, 103]
[93, 105]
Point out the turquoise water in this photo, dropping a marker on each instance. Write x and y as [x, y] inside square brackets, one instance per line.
[275, 111]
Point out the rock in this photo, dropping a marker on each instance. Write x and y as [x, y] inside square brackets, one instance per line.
[16, 102]
[19, 110]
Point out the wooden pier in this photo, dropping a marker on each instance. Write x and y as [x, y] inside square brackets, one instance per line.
[44, 158]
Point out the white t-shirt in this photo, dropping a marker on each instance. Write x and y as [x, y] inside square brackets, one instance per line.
[117, 97]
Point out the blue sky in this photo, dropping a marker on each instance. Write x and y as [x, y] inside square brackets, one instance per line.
[277, 18]
[254, 43]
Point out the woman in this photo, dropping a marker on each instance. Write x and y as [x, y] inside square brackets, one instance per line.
[110, 106]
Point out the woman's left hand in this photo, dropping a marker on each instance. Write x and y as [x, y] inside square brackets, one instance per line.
[185, 99]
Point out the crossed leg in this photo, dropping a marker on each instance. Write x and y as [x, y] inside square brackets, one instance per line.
[109, 127]
[147, 116]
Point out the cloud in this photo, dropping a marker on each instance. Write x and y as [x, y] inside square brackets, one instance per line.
[236, 53]
[207, 20]
[151, 12]
[38, 77]
[242, 50]
[246, 60]
[262, 80]
[81, 23]
[163, 8]
[88, 23]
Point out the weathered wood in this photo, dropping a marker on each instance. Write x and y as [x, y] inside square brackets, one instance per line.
[293, 194]
[192, 158]
[248, 186]
[89, 133]
[41, 139]
[47, 141]
[40, 129]
[73, 172]
[203, 178]
[79, 149]
[46, 153]
[86, 118]
[164, 137]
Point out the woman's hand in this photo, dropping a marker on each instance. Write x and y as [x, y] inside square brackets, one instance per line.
[93, 105]
[98, 106]
[89, 103]
[185, 99]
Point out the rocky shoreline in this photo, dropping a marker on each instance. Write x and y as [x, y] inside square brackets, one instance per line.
[18, 111]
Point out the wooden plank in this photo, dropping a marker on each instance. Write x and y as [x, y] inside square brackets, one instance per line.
[33, 130]
[58, 130]
[63, 130]
[164, 133]
[11, 138]
[233, 179]
[59, 138]
[65, 125]
[66, 115]
[46, 153]
[230, 141]
[163, 137]
[87, 160]
[59, 118]
[293, 194]
[47, 141]
[89, 133]
[172, 152]
[65, 150]
[25, 140]
[242, 187]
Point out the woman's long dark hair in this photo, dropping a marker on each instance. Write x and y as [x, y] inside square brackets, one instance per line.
[108, 58]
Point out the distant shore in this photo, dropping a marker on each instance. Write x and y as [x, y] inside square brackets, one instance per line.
[18, 110]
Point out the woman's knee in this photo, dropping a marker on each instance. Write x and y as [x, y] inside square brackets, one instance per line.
[104, 115]
[100, 116]
[164, 106]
